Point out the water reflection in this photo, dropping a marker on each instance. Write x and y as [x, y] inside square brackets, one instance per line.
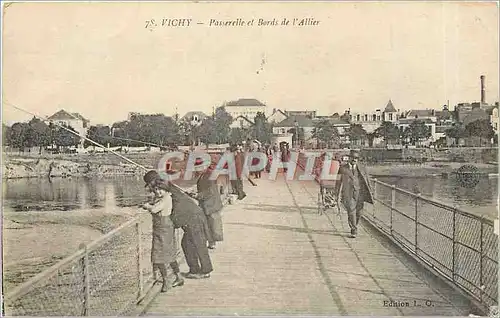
[41, 194]
[86, 193]
[480, 199]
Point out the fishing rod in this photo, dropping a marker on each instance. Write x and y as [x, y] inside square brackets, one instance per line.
[91, 141]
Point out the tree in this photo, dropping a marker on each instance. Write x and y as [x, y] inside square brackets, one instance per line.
[222, 121]
[207, 131]
[155, 129]
[262, 130]
[38, 134]
[417, 131]
[99, 134]
[480, 128]
[238, 135]
[357, 133]
[388, 131]
[456, 132]
[5, 134]
[326, 133]
[17, 137]
[62, 138]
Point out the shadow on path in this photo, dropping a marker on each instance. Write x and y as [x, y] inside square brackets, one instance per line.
[288, 228]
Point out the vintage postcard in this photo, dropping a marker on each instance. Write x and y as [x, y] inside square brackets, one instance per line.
[250, 158]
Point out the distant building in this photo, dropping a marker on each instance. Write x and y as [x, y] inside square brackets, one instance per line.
[445, 116]
[370, 121]
[276, 116]
[307, 113]
[422, 114]
[74, 120]
[241, 122]
[494, 120]
[194, 118]
[247, 107]
[286, 127]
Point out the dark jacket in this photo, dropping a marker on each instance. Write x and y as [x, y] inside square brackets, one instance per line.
[352, 190]
[185, 209]
[208, 194]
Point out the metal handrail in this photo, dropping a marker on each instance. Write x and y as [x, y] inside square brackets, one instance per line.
[460, 274]
[82, 256]
[441, 204]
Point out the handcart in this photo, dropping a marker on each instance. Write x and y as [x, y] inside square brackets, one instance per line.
[328, 196]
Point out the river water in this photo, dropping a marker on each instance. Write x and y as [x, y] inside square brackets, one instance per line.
[84, 193]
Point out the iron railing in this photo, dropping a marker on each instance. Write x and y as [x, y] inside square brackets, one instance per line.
[459, 245]
[462, 247]
[107, 277]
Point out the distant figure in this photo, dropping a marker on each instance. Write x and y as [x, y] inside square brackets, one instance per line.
[164, 245]
[355, 190]
[237, 185]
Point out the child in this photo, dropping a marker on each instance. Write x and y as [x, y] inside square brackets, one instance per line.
[164, 247]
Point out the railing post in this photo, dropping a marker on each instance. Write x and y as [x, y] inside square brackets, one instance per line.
[393, 203]
[86, 280]
[453, 260]
[374, 194]
[140, 277]
[417, 197]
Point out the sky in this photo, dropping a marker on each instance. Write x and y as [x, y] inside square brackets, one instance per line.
[100, 60]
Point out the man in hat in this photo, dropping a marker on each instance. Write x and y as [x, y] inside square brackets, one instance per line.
[354, 189]
[188, 215]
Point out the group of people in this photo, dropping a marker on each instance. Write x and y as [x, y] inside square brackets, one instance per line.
[198, 214]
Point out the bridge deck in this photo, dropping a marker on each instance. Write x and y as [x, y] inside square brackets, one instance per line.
[281, 257]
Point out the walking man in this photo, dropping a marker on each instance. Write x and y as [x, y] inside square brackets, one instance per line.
[355, 190]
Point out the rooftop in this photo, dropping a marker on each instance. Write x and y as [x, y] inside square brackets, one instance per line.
[390, 107]
[245, 102]
[64, 115]
[303, 121]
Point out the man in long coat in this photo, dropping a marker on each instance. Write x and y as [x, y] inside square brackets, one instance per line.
[355, 190]
[210, 201]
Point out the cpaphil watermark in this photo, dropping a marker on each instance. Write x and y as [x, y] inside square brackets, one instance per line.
[236, 167]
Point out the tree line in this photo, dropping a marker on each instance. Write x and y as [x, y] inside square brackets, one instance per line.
[164, 131]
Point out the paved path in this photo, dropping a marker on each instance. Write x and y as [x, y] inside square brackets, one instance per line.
[280, 257]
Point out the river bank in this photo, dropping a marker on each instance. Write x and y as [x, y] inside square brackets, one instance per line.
[427, 169]
[33, 240]
[15, 168]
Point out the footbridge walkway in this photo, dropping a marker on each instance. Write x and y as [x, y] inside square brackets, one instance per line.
[413, 256]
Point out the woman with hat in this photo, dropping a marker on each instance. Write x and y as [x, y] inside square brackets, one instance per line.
[164, 245]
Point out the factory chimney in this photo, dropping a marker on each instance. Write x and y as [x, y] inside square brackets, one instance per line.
[483, 91]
